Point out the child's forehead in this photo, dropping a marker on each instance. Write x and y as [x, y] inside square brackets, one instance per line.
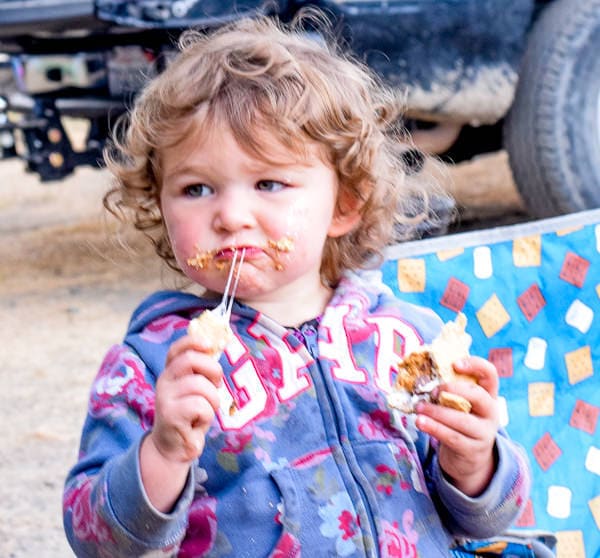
[262, 143]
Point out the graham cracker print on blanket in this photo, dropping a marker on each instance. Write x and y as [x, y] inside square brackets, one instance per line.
[531, 294]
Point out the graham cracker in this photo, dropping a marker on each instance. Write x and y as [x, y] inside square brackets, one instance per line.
[527, 251]
[492, 316]
[579, 364]
[411, 275]
[540, 396]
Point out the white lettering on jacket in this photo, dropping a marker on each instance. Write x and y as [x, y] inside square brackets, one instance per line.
[245, 378]
[293, 379]
[335, 345]
[389, 331]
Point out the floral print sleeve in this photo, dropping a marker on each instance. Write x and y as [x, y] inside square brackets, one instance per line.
[106, 512]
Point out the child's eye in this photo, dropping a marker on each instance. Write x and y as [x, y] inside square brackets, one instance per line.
[197, 190]
[270, 186]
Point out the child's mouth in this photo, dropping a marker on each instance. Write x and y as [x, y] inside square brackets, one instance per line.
[227, 253]
[220, 257]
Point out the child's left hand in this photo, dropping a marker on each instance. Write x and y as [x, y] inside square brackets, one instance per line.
[466, 453]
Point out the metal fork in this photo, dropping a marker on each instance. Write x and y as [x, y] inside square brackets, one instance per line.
[223, 310]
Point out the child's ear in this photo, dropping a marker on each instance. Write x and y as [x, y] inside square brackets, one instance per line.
[347, 215]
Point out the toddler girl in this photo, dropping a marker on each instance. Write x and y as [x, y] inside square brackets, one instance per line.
[258, 140]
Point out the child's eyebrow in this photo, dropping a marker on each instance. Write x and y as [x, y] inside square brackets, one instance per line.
[258, 168]
[184, 170]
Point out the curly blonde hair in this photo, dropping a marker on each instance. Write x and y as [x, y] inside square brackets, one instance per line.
[259, 75]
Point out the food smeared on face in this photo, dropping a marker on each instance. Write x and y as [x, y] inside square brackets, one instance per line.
[202, 259]
[282, 246]
[285, 244]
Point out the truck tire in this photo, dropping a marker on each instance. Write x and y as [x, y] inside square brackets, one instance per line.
[552, 131]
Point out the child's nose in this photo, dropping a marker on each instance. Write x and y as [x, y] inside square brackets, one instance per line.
[233, 212]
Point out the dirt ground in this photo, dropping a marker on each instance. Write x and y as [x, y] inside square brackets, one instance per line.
[67, 289]
[66, 293]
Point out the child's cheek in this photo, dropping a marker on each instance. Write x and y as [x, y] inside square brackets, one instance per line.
[181, 244]
[295, 221]
[285, 237]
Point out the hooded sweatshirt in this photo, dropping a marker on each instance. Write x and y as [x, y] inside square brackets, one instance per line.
[303, 457]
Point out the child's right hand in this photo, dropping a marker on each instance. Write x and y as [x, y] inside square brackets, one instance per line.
[186, 400]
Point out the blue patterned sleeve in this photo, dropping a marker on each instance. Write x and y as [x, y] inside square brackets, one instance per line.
[497, 508]
[105, 509]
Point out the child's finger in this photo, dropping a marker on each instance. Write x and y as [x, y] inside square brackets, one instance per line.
[177, 347]
[194, 362]
[460, 432]
[448, 432]
[199, 386]
[189, 342]
[482, 403]
[482, 370]
[443, 418]
[182, 438]
[486, 407]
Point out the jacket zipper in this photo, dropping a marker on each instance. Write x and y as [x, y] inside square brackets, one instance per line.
[346, 450]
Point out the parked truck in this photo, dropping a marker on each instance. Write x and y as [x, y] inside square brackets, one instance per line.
[475, 76]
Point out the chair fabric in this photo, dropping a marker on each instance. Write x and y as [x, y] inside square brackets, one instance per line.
[531, 294]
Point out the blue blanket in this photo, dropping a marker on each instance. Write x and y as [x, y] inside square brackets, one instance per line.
[531, 293]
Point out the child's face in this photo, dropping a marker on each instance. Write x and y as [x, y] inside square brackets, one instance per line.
[215, 198]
